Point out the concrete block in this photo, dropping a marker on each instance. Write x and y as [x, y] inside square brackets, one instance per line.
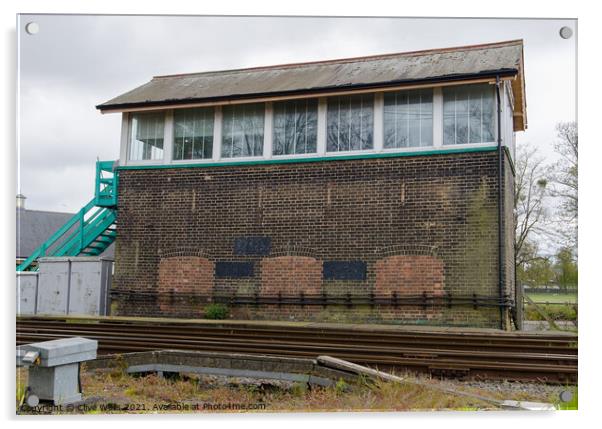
[63, 351]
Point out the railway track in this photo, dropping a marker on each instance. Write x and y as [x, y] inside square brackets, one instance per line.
[466, 354]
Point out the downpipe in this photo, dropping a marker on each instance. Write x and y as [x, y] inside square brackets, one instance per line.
[500, 198]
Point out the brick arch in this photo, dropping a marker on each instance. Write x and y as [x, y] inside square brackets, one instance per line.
[406, 249]
[410, 275]
[181, 278]
[290, 275]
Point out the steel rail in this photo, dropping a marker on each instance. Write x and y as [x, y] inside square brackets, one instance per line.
[422, 340]
[548, 358]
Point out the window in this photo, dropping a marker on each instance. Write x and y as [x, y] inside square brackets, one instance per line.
[242, 133]
[193, 133]
[295, 127]
[350, 121]
[408, 117]
[146, 136]
[468, 114]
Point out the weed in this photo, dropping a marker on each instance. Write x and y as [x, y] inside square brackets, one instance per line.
[216, 311]
[298, 390]
[340, 387]
[130, 391]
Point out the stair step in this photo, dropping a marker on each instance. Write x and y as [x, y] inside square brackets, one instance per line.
[97, 245]
[91, 253]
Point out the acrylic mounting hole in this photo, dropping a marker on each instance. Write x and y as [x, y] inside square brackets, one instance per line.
[32, 28]
[566, 32]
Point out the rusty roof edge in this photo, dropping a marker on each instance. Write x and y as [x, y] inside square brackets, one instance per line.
[515, 42]
[504, 72]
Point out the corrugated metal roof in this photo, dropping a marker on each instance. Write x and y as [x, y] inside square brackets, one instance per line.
[374, 71]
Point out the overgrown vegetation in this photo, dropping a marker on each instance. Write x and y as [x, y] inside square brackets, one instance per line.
[555, 312]
[119, 392]
[216, 311]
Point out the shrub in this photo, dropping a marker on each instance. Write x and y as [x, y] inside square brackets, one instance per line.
[216, 311]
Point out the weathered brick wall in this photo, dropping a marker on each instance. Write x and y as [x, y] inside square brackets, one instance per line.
[290, 275]
[414, 226]
[509, 230]
[183, 275]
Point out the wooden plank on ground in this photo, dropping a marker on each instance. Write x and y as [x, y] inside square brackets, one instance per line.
[331, 362]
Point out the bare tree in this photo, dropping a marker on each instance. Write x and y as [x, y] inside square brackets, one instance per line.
[530, 192]
[565, 181]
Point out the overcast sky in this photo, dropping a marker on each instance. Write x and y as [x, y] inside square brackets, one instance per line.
[76, 62]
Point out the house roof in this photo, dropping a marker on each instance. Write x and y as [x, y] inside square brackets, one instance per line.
[431, 66]
[36, 226]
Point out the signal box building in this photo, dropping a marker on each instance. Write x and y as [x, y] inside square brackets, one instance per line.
[375, 189]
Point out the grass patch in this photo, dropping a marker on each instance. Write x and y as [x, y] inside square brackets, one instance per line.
[554, 297]
[556, 312]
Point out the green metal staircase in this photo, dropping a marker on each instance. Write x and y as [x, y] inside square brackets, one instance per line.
[91, 230]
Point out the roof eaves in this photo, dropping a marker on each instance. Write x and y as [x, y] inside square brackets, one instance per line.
[317, 90]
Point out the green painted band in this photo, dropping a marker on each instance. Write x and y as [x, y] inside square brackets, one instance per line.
[316, 159]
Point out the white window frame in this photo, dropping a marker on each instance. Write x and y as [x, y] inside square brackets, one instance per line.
[170, 160]
[352, 152]
[418, 148]
[495, 127]
[126, 133]
[246, 158]
[321, 111]
[321, 149]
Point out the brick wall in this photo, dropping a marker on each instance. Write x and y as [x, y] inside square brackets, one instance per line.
[509, 229]
[414, 226]
[183, 275]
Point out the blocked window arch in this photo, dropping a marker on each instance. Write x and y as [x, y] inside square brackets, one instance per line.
[186, 274]
[291, 275]
[410, 275]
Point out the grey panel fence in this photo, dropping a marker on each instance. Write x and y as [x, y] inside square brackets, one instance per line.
[66, 286]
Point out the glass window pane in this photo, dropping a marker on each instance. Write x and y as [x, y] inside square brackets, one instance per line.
[332, 125]
[350, 123]
[462, 116]
[146, 136]
[389, 115]
[408, 119]
[468, 114]
[193, 133]
[414, 119]
[367, 127]
[242, 133]
[344, 128]
[475, 109]
[449, 116]
[355, 123]
[426, 118]
[489, 119]
[279, 128]
[312, 129]
[300, 135]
